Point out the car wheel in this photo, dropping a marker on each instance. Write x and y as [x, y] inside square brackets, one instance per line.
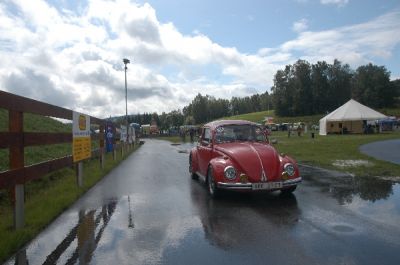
[289, 190]
[212, 186]
[192, 174]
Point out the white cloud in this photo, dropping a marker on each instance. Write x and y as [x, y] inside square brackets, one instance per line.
[356, 44]
[339, 3]
[78, 56]
[300, 25]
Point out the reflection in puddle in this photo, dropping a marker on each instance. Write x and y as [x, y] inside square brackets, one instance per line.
[130, 218]
[183, 151]
[86, 236]
[85, 233]
[372, 197]
[20, 258]
[345, 188]
[230, 221]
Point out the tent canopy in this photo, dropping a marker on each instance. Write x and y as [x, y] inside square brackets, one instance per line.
[350, 111]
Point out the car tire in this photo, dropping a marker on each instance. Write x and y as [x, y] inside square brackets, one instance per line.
[288, 191]
[192, 174]
[211, 185]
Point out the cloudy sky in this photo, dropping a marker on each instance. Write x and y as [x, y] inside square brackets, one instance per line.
[69, 52]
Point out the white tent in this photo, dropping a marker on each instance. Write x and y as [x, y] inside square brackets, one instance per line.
[350, 116]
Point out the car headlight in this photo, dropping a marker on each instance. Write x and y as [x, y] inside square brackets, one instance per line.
[289, 169]
[230, 172]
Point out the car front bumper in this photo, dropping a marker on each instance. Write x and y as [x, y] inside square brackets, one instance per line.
[248, 186]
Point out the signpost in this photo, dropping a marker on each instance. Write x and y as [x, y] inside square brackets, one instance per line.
[81, 144]
[123, 138]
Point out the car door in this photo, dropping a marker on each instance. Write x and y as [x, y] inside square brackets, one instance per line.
[204, 149]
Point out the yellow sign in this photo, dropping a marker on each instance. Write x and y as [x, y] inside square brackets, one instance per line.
[81, 143]
[81, 148]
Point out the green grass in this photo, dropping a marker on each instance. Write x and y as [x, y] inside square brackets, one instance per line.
[259, 117]
[35, 123]
[323, 151]
[312, 119]
[36, 154]
[254, 117]
[45, 200]
[390, 112]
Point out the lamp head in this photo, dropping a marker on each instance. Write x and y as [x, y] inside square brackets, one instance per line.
[126, 61]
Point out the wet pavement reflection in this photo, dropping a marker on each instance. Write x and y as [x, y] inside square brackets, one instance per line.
[149, 211]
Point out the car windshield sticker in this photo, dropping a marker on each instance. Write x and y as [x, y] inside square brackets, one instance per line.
[220, 129]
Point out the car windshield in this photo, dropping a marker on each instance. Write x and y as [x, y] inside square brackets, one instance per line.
[232, 133]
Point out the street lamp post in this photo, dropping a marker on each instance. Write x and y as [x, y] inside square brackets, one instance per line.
[126, 61]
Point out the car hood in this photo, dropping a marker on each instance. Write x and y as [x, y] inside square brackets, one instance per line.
[253, 158]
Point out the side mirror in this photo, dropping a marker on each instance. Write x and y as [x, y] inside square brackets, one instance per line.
[205, 143]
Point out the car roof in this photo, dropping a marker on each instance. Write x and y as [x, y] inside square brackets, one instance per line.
[215, 124]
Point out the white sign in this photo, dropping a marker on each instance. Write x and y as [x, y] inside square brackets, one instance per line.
[123, 133]
[80, 125]
[132, 136]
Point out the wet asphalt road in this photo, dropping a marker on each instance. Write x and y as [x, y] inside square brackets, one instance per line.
[149, 211]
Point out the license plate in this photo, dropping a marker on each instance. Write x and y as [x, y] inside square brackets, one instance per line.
[266, 186]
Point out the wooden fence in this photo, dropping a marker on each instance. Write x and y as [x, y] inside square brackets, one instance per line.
[16, 140]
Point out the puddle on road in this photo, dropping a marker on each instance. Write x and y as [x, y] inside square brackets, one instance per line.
[183, 148]
[123, 231]
[126, 231]
[73, 245]
[376, 198]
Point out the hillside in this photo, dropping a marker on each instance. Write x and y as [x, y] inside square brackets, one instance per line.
[259, 116]
[313, 119]
[36, 123]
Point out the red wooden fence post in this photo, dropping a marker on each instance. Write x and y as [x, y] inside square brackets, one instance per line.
[16, 156]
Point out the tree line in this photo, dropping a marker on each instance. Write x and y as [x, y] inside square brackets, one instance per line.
[203, 109]
[306, 89]
[298, 89]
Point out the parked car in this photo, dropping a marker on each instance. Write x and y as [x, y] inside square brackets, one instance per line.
[236, 155]
[272, 126]
[284, 127]
[315, 127]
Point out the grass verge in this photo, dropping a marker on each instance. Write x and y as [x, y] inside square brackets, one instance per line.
[173, 139]
[312, 119]
[326, 151]
[329, 151]
[46, 199]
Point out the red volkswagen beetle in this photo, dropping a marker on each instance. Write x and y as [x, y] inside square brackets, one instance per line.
[236, 155]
